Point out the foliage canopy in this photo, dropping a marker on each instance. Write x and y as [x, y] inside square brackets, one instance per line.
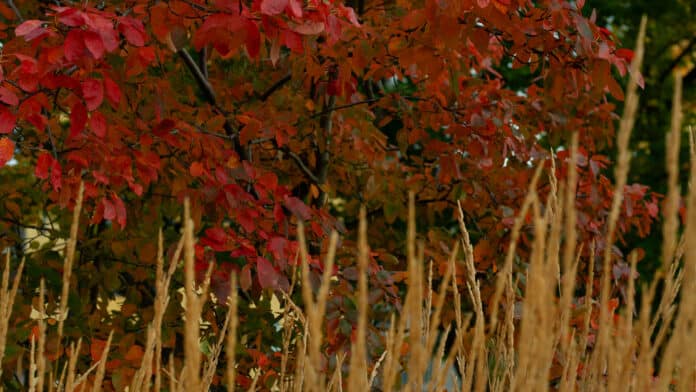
[266, 113]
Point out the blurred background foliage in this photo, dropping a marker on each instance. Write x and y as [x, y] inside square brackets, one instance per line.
[670, 48]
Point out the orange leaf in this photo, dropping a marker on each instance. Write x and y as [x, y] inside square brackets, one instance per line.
[97, 348]
[196, 169]
[314, 191]
[6, 150]
[134, 354]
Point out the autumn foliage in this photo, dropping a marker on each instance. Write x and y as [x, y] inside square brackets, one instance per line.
[266, 113]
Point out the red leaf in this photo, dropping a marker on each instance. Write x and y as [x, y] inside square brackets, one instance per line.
[96, 349]
[334, 87]
[120, 211]
[30, 29]
[277, 246]
[94, 43]
[250, 131]
[93, 92]
[247, 219]
[196, 169]
[297, 207]
[105, 28]
[278, 214]
[268, 180]
[6, 150]
[109, 209]
[56, 175]
[133, 30]
[294, 8]
[74, 46]
[273, 7]
[308, 28]
[228, 5]
[146, 55]
[652, 208]
[626, 54]
[113, 92]
[216, 31]
[72, 17]
[135, 354]
[253, 39]
[164, 127]
[245, 277]
[268, 276]
[348, 13]
[37, 120]
[7, 121]
[97, 123]
[27, 27]
[78, 119]
[8, 96]
[43, 163]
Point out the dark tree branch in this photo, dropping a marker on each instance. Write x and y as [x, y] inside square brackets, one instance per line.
[16, 222]
[14, 8]
[275, 87]
[300, 163]
[203, 61]
[209, 92]
[667, 71]
[341, 107]
[202, 81]
[323, 155]
[54, 151]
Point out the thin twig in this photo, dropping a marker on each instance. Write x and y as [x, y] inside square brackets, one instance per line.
[275, 87]
[12, 5]
[341, 107]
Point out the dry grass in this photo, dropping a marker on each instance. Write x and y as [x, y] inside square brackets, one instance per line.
[494, 353]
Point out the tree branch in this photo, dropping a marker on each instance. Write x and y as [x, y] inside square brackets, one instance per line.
[12, 5]
[209, 92]
[667, 71]
[275, 87]
[323, 156]
[203, 61]
[199, 76]
[341, 107]
[306, 170]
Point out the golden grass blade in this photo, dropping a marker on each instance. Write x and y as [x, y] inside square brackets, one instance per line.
[230, 349]
[40, 357]
[33, 368]
[68, 261]
[211, 364]
[357, 379]
[570, 260]
[336, 383]
[7, 298]
[673, 142]
[101, 369]
[505, 274]
[599, 363]
[192, 353]
[72, 365]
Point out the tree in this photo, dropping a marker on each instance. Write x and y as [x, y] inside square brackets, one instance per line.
[266, 113]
